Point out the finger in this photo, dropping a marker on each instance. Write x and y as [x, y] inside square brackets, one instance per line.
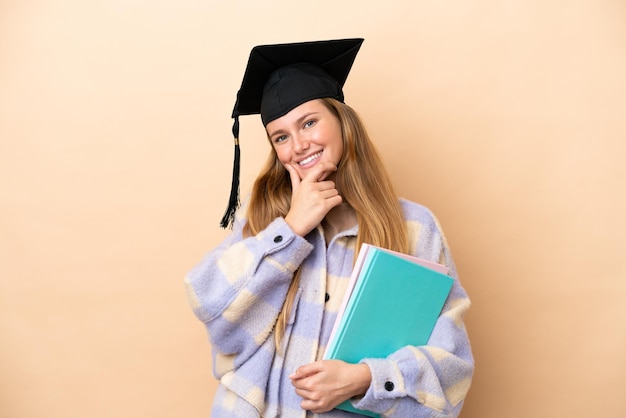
[327, 173]
[330, 196]
[326, 186]
[303, 392]
[293, 175]
[317, 406]
[320, 171]
[305, 371]
[326, 170]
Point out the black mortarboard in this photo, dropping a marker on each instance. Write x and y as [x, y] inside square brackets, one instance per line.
[279, 78]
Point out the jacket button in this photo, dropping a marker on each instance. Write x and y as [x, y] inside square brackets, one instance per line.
[389, 386]
[326, 297]
[278, 238]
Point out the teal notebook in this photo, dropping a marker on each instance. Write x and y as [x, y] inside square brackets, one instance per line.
[395, 301]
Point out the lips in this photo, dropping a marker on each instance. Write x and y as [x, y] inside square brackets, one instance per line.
[310, 158]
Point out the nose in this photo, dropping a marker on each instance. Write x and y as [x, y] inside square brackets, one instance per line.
[300, 144]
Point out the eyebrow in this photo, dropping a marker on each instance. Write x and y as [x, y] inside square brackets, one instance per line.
[297, 122]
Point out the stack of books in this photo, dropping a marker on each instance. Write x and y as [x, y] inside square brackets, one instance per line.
[393, 300]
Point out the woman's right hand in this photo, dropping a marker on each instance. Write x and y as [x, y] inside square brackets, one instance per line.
[312, 197]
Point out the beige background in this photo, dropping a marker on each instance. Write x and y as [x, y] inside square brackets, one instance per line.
[506, 118]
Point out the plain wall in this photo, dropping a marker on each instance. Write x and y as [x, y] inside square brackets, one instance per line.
[505, 118]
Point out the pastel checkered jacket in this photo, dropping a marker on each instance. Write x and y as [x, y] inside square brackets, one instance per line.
[238, 290]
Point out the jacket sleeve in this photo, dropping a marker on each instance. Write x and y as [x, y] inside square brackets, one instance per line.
[239, 288]
[428, 381]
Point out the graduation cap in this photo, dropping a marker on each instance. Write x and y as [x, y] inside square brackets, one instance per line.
[281, 77]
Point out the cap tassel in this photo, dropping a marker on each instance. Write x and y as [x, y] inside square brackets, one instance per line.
[233, 202]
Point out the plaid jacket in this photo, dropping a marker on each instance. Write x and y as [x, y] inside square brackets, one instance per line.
[238, 290]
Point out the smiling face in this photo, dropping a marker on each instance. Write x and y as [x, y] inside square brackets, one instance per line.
[308, 134]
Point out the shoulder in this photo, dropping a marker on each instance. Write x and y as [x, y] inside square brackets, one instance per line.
[426, 237]
[415, 212]
[241, 215]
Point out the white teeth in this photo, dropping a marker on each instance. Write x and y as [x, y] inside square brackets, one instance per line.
[311, 158]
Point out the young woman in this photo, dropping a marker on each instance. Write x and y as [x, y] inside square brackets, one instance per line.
[269, 293]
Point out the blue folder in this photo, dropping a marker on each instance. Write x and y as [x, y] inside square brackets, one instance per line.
[395, 302]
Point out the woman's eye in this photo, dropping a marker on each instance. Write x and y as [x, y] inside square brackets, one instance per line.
[309, 123]
[280, 138]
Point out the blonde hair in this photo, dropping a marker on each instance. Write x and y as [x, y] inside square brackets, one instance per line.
[363, 182]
